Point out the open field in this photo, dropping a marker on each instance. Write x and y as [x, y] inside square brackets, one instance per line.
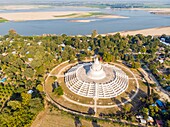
[52, 117]
[26, 16]
[152, 31]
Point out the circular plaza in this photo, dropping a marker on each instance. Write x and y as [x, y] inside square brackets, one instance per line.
[94, 84]
[96, 80]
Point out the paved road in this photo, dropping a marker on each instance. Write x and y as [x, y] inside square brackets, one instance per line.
[164, 94]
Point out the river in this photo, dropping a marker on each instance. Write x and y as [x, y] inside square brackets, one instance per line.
[137, 20]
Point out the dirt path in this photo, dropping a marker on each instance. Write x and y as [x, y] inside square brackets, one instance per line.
[40, 117]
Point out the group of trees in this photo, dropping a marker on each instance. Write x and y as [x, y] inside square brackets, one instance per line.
[5, 93]
[24, 61]
[156, 67]
[21, 110]
[149, 108]
[155, 111]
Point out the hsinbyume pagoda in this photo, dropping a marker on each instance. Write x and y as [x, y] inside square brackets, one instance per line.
[96, 80]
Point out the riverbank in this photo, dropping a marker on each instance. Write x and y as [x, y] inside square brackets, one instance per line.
[152, 31]
[160, 11]
[27, 16]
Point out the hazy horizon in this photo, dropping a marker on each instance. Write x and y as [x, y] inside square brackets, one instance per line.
[88, 1]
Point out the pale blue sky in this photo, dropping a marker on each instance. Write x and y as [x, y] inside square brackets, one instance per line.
[79, 1]
[27, 1]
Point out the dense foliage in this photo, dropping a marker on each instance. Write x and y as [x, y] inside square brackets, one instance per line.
[155, 111]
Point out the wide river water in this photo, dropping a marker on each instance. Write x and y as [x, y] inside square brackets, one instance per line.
[137, 20]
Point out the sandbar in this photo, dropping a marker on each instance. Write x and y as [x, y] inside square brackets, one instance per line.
[27, 16]
[158, 31]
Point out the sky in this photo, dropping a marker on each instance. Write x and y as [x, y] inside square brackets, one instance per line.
[105, 1]
[24, 1]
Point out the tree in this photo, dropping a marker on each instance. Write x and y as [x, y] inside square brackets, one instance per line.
[145, 112]
[58, 91]
[167, 123]
[25, 98]
[136, 65]
[28, 73]
[82, 57]
[39, 88]
[126, 57]
[94, 33]
[107, 57]
[139, 57]
[12, 32]
[14, 104]
[127, 107]
[35, 105]
[143, 49]
[153, 110]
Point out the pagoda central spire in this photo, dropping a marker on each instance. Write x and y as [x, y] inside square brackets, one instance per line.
[96, 71]
[96, 65]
